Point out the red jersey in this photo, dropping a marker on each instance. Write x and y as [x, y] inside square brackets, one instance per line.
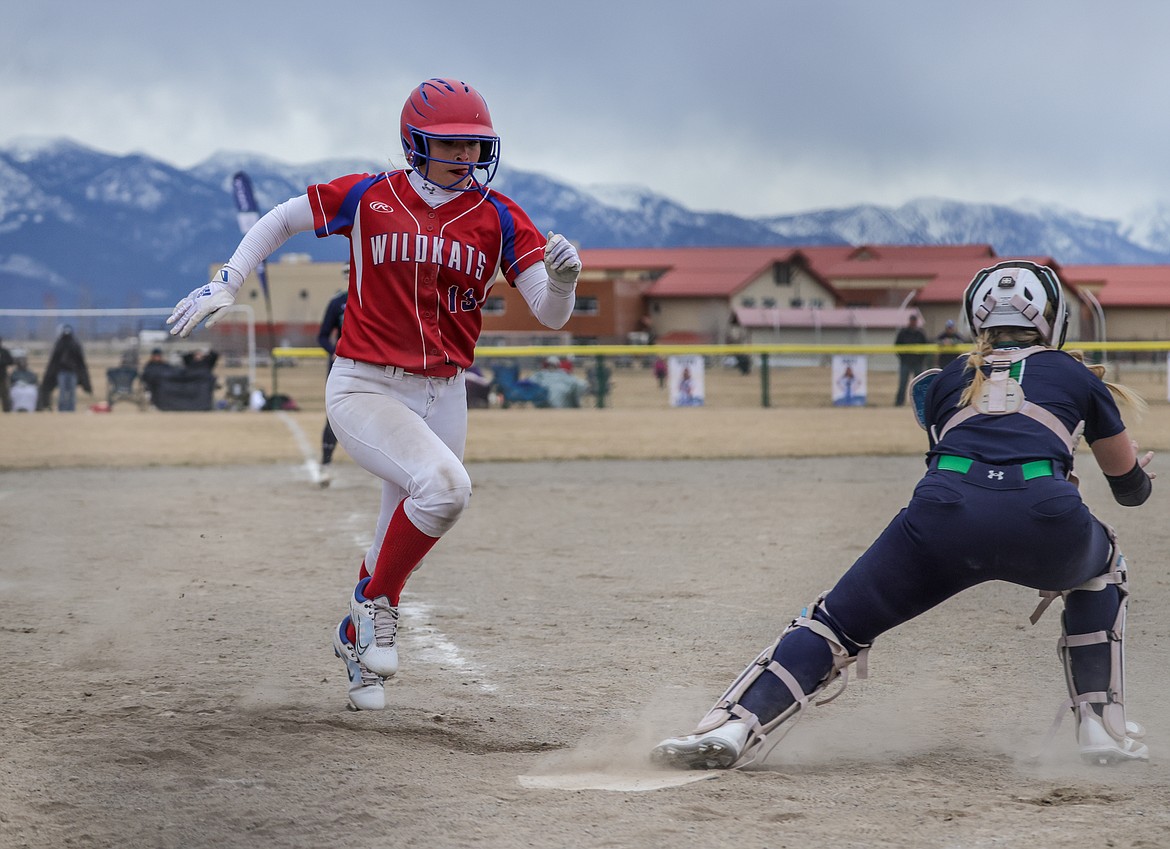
[419, 276]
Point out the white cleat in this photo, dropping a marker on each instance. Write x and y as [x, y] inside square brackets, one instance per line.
[376, 624]
[719, 748]
[1097, 747]
[324, 478]
[365, 688]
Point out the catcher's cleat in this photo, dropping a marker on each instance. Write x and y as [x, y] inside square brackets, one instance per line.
[1099, 747]
[732, 734]
[376, 624]
[1096, 690]
[365, 688]
[719, 748]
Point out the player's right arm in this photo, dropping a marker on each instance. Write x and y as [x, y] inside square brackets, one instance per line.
[262, 239]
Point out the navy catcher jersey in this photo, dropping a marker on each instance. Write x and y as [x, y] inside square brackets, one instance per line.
[1052, 379]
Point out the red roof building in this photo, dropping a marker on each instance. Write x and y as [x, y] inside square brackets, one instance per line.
[842, 294]
[838, 293]
[1134, 300]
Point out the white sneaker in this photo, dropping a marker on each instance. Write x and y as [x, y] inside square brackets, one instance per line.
[1097, 747]
[719, 748]
[376, 623]
[365, 688]
[324, 478]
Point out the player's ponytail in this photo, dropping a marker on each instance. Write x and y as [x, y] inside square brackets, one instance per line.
[986, 342]
[1023, 337]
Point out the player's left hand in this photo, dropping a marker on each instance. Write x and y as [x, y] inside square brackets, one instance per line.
[202, 303]
[1144, 460]
[561, 261]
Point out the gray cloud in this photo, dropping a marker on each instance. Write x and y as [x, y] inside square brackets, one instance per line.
[752, 107]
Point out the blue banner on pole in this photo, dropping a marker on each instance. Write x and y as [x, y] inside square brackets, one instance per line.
[247, 214]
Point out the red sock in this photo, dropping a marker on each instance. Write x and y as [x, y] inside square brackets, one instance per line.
[362, 573]
[403, 548]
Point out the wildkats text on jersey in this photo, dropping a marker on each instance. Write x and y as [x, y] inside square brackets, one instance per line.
[436, 250]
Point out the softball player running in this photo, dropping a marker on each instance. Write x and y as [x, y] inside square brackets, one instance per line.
[998, 502]
[426, 243]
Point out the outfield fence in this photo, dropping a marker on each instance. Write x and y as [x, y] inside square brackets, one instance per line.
[1149, 360]
[112, 336]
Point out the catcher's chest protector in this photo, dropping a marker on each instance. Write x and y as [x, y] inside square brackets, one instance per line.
[1002, 394]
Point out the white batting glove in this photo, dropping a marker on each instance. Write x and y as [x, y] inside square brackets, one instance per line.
[204, 302]
[561, 261]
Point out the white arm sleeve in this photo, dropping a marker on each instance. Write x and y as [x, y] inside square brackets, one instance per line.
[551, 306]
[275, 228]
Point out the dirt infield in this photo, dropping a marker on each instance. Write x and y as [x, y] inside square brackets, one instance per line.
[169, 583]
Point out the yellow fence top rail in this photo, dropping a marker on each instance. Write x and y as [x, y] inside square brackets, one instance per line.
[724, 350]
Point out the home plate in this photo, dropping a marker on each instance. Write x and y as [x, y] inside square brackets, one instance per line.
[629, 783]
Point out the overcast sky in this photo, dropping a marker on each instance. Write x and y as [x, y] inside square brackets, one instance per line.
[750, 107]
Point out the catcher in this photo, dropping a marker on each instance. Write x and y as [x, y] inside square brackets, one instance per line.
[998, 502]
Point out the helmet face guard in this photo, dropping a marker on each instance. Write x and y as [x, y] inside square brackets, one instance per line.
[1018, 293]
[419, 157]
[450, 110]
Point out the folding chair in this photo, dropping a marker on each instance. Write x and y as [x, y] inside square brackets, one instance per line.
[123, 385]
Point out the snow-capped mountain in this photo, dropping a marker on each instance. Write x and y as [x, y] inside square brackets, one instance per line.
[1024, 229]
[82, 228]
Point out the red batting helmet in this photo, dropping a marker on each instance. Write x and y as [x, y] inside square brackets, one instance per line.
[449, 109]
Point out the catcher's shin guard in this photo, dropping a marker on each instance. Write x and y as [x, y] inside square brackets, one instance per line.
[730, 734]
[1103, 734]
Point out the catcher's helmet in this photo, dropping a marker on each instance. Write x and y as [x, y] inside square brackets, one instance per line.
[1018, 293]
[450, 109]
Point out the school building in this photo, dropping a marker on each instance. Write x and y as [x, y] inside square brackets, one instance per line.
[798, 295]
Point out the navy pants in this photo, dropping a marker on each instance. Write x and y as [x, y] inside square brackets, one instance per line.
[328, 439]
[328, 443]
[956, 532]
[907, 371]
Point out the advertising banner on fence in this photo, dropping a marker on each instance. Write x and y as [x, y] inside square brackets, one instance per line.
[685, 375]
[849, 373]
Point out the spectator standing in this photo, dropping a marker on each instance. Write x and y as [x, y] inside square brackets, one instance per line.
[909, 364]
[65, 372]
[327, 337]
[949, 338]
[6, 360]
[736, 335]
[660, 371]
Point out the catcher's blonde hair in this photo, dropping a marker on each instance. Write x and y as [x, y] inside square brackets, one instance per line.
[1024, 337]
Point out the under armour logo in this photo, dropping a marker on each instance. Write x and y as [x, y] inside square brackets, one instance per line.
[994, 475]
